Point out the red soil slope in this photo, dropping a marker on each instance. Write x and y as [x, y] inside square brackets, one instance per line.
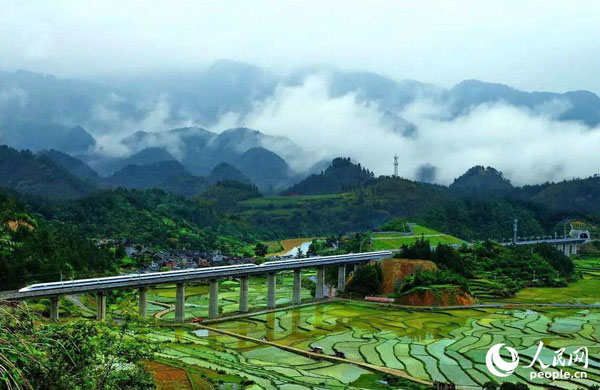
[443, 296]
[395, 270]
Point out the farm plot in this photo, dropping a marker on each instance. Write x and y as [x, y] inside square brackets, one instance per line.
[581, 291]
[196, 302]
[222, 359]
[448, 346]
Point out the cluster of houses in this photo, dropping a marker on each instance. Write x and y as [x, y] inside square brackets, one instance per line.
[174, 259]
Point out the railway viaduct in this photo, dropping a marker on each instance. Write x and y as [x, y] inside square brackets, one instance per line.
[568, 246]
[214, 275]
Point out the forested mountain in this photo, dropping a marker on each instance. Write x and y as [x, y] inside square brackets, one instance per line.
[218, 168]
[57, 175]
[147, 156]
[72, 164]
[41, 112]
[149, 216]
[172, 177]
[41, 98]
[227, 172]
[230, 215]
[145, 176]
[264, 168]
[225, 195]
[45, 249]
[46, 135]
[482, 181]
[582, 105]
[53, 174]
[200, 151]
[32, 103]
[341, 176]
[576, 196]
[38, 175]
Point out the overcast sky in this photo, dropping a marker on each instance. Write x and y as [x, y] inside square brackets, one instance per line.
[532, 45]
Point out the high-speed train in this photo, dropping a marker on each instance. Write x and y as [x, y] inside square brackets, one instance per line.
[314, 261]
[207, 272]
[154, 276]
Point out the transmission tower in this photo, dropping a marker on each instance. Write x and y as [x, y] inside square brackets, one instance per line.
[395, 165]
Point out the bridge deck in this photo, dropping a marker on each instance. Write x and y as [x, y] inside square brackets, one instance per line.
[557, 241]
[80, 286]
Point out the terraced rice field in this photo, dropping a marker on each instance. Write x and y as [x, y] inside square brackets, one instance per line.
[581, 291]
[228, 360]
[588, 267]
[448, 346]
[196, 303]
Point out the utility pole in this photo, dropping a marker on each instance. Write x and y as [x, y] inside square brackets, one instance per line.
[395, 165]
[515, 227]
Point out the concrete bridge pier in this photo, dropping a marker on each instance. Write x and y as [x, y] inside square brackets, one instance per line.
[101, 302]
[244, 294]
[297, 290]
[320, 290]
[341, 284]
[213, 299]
[271, 287]
[574, 249]
[143, 301]
[180, 303]
[54, 308]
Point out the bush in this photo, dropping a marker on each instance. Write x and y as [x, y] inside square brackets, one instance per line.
[429, 278]
[367, 279]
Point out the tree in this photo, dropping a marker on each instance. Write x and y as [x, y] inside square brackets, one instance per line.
[77, 355]
[120, 252]
[419, 249]
[447, 257]
[563, 264]
[367, 279]
[261, 249]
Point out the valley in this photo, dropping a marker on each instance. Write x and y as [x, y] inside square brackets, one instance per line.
[195, 223]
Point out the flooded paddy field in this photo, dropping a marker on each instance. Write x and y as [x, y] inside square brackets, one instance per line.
[447, 346]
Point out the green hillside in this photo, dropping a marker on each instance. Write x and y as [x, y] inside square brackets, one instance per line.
[341, 176]
[383, 241]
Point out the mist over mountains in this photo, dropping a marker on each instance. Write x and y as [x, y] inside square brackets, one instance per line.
[277, 129]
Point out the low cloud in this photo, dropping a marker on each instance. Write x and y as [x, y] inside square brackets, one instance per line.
[528, 145]
[111, 126]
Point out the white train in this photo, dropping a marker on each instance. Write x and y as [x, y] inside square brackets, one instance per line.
[202, 272]
[154, 276]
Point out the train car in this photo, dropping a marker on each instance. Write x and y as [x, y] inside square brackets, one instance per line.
[130, 277]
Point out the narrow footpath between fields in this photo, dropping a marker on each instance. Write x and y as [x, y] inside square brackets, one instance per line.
[318, 356]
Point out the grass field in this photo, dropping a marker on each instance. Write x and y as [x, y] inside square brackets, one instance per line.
[395, 241]
[448, 346]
